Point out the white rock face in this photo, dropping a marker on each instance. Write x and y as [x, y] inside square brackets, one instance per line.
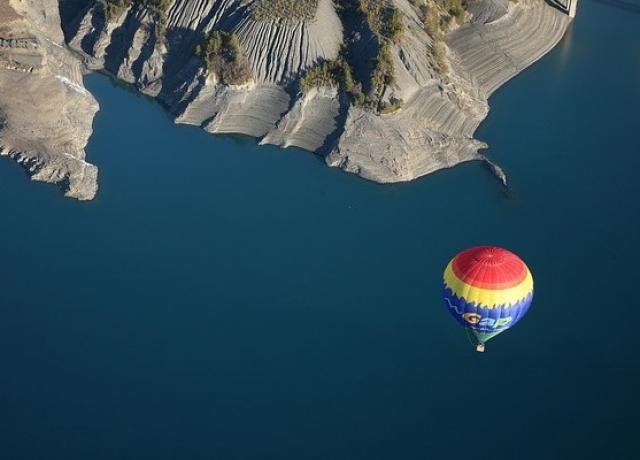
[45, 112]
[433, 129]
[311, 120]
[489, 54]
[278, 53]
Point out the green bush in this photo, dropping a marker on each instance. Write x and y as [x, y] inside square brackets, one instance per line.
[158, 9]
[391, 106]
[431, 23]
[330, 73]
[325, 74]
[439, 56]
[383, 18]
[437, 14]
[222, 54]
[384, 71]
[114, 8]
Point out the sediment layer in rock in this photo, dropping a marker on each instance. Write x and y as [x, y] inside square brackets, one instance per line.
[433, 129]
[45, 112]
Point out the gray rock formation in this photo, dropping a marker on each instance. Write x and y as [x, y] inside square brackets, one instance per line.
[309, 122]
[487, 54]
[45, 112]
[433, 129]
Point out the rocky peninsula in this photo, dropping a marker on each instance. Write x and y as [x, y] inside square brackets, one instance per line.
[390, 90]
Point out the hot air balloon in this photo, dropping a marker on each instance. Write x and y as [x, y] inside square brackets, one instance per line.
[488, 290]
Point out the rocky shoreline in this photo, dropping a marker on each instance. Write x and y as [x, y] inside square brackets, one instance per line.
[431, 129]
[45, 112]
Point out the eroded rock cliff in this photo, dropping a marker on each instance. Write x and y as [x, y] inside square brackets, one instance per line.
[388, 89]
[45, 112]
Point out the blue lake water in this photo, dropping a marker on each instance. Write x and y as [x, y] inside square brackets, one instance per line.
[221, 300]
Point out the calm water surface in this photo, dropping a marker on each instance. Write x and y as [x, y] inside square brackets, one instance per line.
[220, 300]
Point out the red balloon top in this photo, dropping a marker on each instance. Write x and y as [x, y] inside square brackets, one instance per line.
[489, 267]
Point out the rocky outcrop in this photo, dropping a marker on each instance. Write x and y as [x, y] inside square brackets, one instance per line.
[422, 121]
[433, 129]
[45, 112]
[310, 121]
[490, 51]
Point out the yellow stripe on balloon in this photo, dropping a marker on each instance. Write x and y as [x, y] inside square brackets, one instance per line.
[487, 297]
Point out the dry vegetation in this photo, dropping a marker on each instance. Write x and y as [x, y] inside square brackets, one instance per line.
[327, 74]
[385, 22]
[440, 57]
[158, 8]
[336, 73]
[384, 72]
[437, 16]
[114, 8]
[289, 10]
[384, 19]
[222, 54]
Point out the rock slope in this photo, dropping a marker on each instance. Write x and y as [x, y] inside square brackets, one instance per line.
[434, 130]
[420, 120]
[45, 112]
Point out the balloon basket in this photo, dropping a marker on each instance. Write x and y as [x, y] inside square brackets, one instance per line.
[474, 340]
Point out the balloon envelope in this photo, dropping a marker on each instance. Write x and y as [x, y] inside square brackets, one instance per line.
[488, 290]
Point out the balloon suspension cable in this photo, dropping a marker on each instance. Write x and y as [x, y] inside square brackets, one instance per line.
[479, 346]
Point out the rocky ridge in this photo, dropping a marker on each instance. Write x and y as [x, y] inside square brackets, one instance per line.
[433, 113]
[45, 111]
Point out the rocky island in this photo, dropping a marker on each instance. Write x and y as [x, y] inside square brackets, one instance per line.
[390, 90]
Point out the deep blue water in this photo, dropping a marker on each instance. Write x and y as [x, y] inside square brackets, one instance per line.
[220, 300]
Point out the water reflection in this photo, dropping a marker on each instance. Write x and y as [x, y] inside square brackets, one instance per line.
[622, 5]
[564, 48]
